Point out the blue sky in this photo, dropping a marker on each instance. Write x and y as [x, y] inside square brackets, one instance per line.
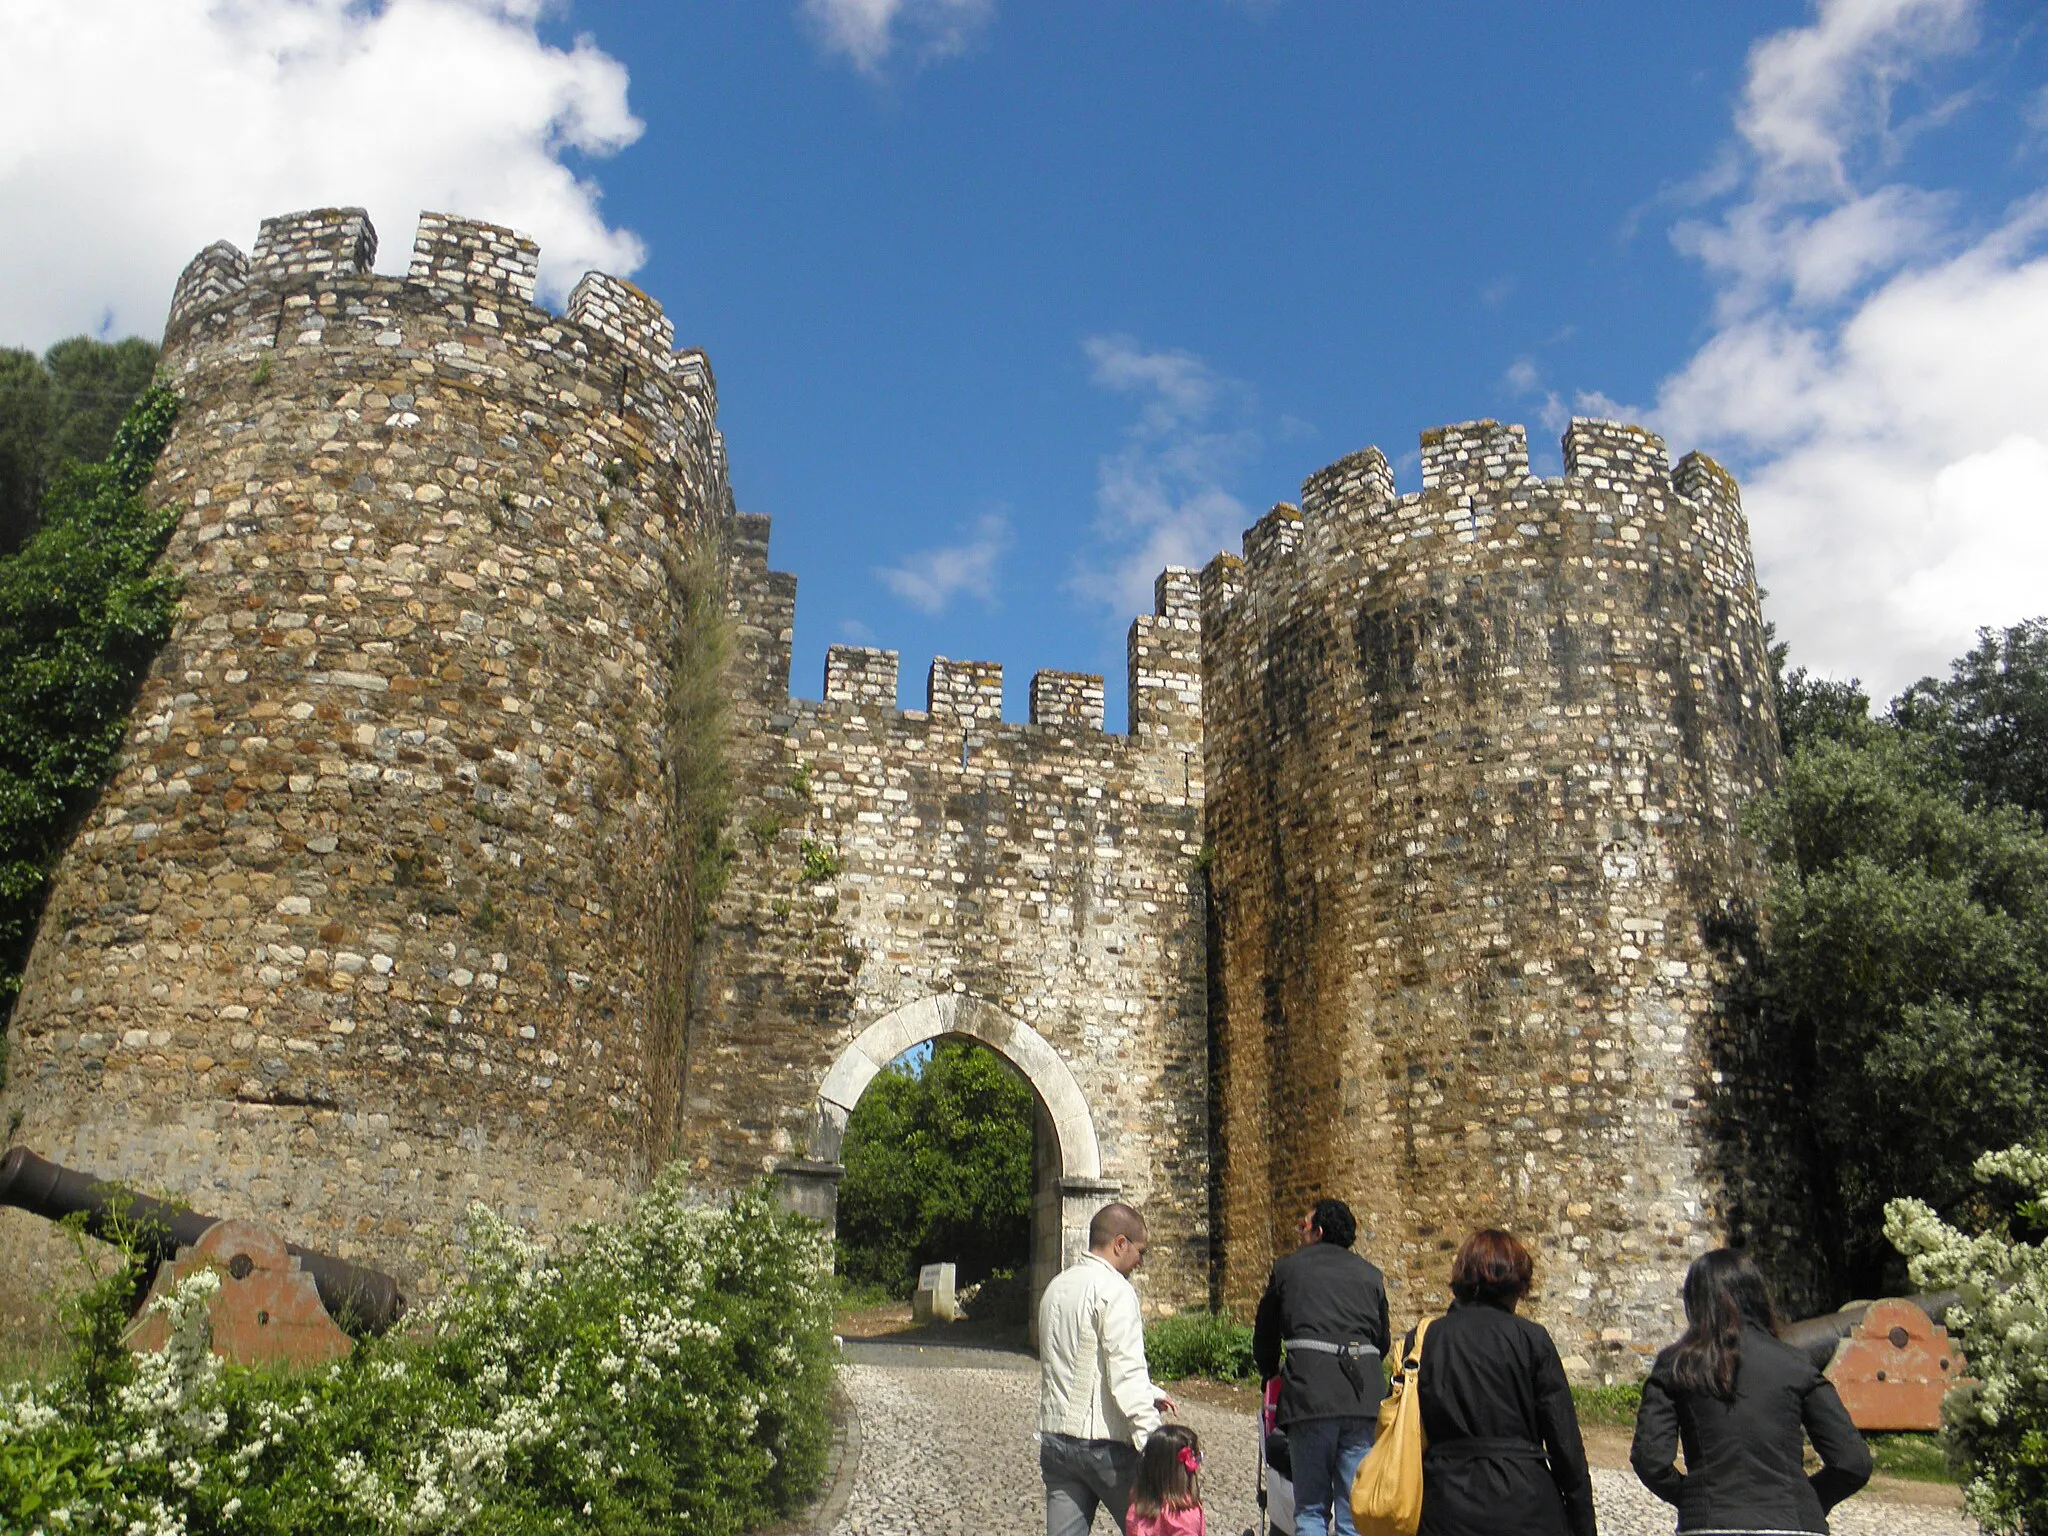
[1010, 302]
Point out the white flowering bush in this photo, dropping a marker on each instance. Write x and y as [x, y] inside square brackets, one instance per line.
[1996, 1425]
[664, 1373]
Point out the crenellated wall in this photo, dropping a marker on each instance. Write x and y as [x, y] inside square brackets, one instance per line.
[1476, 758]
[364, 926]
[1034, 885]
[1416, 877]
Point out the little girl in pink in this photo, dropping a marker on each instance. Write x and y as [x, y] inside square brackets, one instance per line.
[1166, 1500]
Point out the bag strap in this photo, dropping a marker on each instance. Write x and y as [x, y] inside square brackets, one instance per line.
[1411, 1354]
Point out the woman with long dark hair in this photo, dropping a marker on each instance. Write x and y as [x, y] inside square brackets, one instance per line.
[1743, 1404]
[1504, 1454]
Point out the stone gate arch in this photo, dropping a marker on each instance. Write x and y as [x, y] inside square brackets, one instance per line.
[1067, 1159]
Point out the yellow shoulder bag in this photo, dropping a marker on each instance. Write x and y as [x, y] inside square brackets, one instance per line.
[1386, 1495]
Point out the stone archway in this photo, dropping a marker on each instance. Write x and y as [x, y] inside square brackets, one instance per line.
[1067, 1163]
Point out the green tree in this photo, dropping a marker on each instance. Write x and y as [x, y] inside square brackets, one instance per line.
[938, 1169]
[81, 616]
[1907, 969]
[1988, 722]
[24, 438]
[62, 407]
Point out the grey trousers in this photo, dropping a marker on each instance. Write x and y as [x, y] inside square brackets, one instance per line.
[1081, 1476]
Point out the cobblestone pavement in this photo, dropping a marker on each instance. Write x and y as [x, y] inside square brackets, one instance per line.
[948, 1451]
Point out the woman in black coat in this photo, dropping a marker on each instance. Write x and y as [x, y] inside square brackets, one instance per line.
[1743, 1404]
[1504, 1450]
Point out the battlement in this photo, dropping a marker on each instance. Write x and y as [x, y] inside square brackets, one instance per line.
[1489, 456]
[214, 274]
[474, 257]
[968, 691]
[1474, 453]
[493, 269]
[861, 675]
[319, 242]
[615, 308]
[1067, 700]
[1164, 657]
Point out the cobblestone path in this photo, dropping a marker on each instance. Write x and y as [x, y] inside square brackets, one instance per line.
[949, 1451]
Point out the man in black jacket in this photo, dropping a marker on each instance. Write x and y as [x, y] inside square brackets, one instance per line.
[1328, 1307]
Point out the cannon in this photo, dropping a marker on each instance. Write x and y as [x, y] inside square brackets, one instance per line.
[1891, 1360]
[278, 1300]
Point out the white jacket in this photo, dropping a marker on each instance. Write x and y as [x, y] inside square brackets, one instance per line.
[1093, 1382]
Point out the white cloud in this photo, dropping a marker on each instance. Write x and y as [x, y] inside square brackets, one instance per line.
[135, 132]
[868, 32]
[1163, 497]
[1878, 374]
[931, 578]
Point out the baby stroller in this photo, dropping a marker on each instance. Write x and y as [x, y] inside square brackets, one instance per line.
[1276, 1469]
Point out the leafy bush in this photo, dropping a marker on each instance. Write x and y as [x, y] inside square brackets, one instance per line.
[81, 617]
[1615, 1405]
[664, 1373]
[1200, 1344]
[1996, 1425]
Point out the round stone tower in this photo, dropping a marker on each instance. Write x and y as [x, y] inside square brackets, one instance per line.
[366, 925]
[1475, 762]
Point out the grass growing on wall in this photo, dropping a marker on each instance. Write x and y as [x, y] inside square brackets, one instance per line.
[82, 614]
[698, 859]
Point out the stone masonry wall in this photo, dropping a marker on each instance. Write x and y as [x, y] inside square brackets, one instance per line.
[362, 928]
[1042, 873]
[1475, 762]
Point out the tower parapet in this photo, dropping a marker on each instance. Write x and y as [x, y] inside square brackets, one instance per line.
[366, 923]
[1476, 758]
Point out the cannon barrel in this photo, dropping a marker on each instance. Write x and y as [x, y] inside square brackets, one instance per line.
[1818, 1336]
[360, 1298]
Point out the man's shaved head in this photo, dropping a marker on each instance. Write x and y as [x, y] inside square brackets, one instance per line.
[1113, 1222]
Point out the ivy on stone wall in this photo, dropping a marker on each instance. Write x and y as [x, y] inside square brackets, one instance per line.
[82, 613]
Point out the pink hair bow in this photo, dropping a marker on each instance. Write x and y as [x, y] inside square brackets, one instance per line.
[1190, 1460]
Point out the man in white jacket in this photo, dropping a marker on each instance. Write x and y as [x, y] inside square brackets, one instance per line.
[1096, 1400]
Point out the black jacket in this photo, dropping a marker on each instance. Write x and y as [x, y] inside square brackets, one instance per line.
[1504, 1450]
[1745, 1459]
[1321, 1291]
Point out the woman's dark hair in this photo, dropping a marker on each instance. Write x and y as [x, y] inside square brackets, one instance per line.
[1724, 1292]
[1493, 1268]
[1339, 1227]
[1165, 1480]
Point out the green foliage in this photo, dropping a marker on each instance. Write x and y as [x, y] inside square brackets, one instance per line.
[664, 1373]
[1909, 970]
[697, 859]
[81, 616]
[1615, 1406]
[1907, 967]
[1988, 723]
[65, 405]
[1917, 1458]
[1199, 1344]
[820, 862]
[938, 1170]
[1995, 1425]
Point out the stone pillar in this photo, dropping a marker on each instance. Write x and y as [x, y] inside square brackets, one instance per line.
[811, 1188]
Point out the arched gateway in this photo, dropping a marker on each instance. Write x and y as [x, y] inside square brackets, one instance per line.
[1066, 1162]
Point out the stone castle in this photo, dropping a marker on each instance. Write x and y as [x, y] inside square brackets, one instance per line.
[1416, 876]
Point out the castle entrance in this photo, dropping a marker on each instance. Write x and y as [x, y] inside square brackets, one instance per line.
[1067, 1181]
